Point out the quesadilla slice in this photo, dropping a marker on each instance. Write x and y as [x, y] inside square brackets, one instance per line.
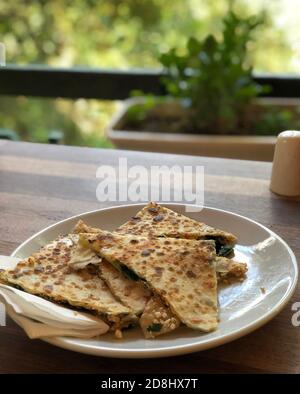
[129, 291]
[47, 274]
[180, 271]
[157, 221]
[227, 269]
[157, 318]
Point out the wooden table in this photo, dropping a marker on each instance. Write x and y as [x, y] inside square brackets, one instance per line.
[41, 184]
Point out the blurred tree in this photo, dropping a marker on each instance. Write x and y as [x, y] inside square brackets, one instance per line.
[107, 33]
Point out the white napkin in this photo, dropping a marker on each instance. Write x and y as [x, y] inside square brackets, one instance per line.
[41, 318]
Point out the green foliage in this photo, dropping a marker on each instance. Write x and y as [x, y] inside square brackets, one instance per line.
[138, 113]
[118, 34]
[214, 76]
[65, 33]
[274, 120]
[35, 118]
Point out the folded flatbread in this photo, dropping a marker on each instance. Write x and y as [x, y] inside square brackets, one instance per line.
[227, 269]
[47, 274]
[180, 271]
[157, 221]
[129, 291]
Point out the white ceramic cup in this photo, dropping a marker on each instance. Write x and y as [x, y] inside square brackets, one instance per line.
[285, 179]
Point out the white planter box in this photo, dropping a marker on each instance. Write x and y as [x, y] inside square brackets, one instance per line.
[236, 147]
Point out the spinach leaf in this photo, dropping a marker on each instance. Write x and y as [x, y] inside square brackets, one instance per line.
[221, 250]
[225, 250]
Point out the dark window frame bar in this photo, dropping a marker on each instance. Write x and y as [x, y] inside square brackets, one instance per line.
[109, 84]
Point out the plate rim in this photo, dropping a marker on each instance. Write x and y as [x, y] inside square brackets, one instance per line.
[63, 342]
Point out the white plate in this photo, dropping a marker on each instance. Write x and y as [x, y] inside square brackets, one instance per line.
[271, 281]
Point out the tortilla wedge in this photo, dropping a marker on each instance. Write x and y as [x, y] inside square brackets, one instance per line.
[157, 318]
[227, 269]
[157, 221]
[47, 274]
[131, 293]
[180, 271]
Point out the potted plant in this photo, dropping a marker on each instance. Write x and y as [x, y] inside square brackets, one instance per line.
[212, 106]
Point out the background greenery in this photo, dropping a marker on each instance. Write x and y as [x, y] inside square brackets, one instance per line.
[119, 34]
